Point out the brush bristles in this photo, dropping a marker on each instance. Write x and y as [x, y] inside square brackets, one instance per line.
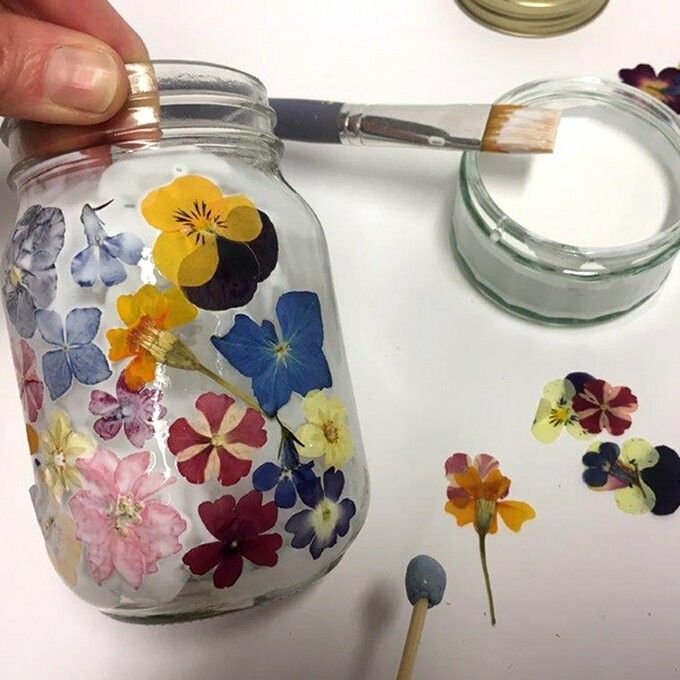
[520, 129]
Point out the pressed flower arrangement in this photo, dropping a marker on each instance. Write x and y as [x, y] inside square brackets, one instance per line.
[188, 409]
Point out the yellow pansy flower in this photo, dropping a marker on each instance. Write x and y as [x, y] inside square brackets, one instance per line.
[326, 432]
[61, 446]
[192, 212]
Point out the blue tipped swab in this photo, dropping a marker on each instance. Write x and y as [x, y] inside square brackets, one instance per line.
[425, 585]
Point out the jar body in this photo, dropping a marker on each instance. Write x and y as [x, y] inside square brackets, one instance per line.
[189, 409]
[534, 17]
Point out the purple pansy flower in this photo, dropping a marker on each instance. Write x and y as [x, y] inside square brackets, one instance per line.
[132, 410]
[76, 355]
[288, 477]
[30, 277]
[328, 518]
[104, 256]
[664, 86]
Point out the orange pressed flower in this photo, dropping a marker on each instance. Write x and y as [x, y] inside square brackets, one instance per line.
[477, 491]
[146, 314]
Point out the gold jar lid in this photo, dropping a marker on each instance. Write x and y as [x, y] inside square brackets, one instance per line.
[533, 17]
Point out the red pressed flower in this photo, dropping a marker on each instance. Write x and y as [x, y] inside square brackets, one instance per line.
[601, 406]
[239, 528]
[219, 443]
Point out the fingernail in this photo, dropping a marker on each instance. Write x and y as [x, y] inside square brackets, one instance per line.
[82, 79]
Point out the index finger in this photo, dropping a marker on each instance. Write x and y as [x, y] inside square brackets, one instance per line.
[94, 17]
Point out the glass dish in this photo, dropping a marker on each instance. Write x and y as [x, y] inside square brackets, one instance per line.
[555, 282]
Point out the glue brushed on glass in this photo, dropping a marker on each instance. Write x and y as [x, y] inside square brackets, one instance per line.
[604, 186]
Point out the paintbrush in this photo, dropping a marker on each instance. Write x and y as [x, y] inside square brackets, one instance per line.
[504, 128]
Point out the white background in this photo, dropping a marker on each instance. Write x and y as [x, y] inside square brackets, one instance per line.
[584, 591]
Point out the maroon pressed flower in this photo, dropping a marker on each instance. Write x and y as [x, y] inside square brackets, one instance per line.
[663, 86]
[239, 528]
[601, 406]
[219, 443]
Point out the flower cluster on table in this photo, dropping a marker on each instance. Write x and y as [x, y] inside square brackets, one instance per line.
[111, 512]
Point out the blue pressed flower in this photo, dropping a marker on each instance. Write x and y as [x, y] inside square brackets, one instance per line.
[290, 477]
[104, 256]
[76, 355]
[279, 366]
[30, 277]
[328, 518]
[601, 465]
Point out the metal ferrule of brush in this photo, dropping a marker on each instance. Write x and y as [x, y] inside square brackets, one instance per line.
[459, 127]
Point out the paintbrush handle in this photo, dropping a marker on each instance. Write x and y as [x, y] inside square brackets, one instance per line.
[415, 632]
[458, 126]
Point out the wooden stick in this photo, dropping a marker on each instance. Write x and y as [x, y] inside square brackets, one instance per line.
[415, 631]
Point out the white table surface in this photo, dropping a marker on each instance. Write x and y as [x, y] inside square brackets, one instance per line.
[584, 591]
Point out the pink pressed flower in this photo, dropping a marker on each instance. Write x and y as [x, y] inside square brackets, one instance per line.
[601, 406]
[133, 410]
[459, 463]
[126, 530]
[219, 443]
[31, 387]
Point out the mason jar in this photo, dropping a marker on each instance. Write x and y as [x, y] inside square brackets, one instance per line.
[188, 406]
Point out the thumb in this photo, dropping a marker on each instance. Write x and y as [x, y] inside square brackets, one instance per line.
[52, 74]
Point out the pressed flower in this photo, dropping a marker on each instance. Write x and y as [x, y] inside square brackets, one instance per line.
[663, 479]
[76, 355]
[555, 411]
[216, 247]
[663, 86]
[30, 276]
[31, 388]
[219, 443]
[476, 493]
[328, 516]
[280, 365]
[126, 528]
[326, 433]
[146, 314]
[61, 447]
[105, 255]
[239, 528]
[619, 469]
[601, 406]
[59, 531]
[288, 477]
[134, 411]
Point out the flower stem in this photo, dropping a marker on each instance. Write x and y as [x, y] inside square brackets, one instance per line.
[246, 398]
[487, 580]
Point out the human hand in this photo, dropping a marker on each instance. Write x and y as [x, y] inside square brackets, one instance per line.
[62, 61]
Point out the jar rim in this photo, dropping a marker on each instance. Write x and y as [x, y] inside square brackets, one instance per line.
[550, 254]
[168, 99]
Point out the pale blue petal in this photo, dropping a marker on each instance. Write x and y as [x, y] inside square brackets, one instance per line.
[111, 270]
[89, 364]
[41, 285]
[50, 327]
[82, 325]
[85, 267]
[20, 309]
[92, 225]
[127, 247]
[57, 373]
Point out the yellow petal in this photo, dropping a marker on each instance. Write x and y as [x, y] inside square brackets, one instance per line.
[118, 339]
[33, 439]
[542, 428]
[140, 371]
[199, 266]
[635, 500]
[495, 485]
[147, 301]
[338, 453]
[639, 452]
[464, 515]
[160, 207]
[470, 481]
[186, 260]
[313, 439]
[312, 406]
[236, 218]
[179, 310]
[515, 513]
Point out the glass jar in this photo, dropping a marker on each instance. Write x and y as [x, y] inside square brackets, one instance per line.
[555, 282]
[189, 410]
[533, 17]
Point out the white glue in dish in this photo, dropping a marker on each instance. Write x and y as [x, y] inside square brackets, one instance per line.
[585, 233]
